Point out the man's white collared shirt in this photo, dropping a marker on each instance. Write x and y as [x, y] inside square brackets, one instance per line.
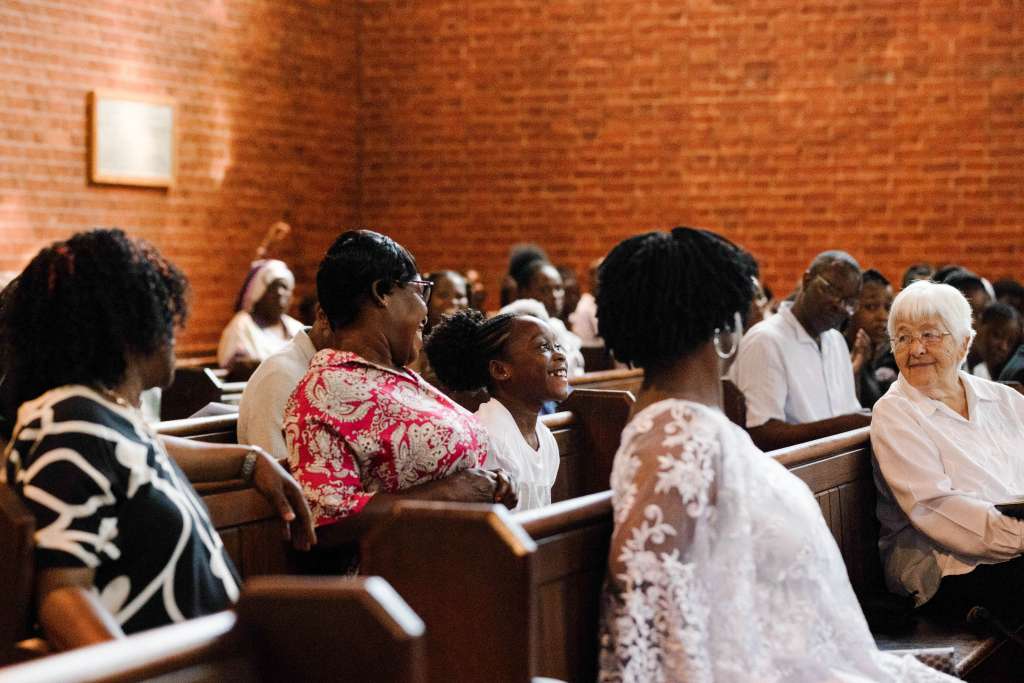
[785, 376]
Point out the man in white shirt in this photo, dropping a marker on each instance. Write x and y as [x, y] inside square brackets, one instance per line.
[261, 411]
[794, 368]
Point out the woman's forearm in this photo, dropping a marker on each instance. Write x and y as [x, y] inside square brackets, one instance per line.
[204, 462]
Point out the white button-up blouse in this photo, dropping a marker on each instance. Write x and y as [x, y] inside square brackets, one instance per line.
[940, 478]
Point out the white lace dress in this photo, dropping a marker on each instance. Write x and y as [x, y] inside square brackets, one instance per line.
[721, 567]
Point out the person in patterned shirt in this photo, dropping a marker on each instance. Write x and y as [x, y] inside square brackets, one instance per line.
[363, 430]
[123, 541]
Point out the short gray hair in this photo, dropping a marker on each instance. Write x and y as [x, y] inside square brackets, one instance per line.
[926, 299]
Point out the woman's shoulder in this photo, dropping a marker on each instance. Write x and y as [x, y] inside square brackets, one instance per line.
[675, 418]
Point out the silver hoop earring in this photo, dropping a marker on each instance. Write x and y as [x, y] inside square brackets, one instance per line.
[724, 355]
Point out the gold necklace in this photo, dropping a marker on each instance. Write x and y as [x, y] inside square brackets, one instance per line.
[117, 398]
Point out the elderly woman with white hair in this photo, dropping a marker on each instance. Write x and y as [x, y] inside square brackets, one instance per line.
[949, 447]
[260, 326]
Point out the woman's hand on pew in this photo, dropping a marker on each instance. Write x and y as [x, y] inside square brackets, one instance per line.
[278, 487]
[505, 489]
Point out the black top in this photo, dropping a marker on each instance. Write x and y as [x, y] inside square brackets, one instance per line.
[875, 378]
[1013, 371]
[105, 495]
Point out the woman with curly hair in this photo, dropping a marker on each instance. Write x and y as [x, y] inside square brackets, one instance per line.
[518, 360]
[122, 538]
[721, 567]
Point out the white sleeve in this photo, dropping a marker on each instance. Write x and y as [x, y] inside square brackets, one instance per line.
[958, 520]
[232, 340]
[261, 411]
[760, 374]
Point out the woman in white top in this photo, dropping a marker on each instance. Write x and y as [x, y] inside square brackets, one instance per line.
[949, 447]
[261, 326]
[721, 567]
[518, 359]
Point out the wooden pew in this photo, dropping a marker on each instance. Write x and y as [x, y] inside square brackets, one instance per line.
[544, 568]
[193, 388]
[587, 433]
[625, 380]
[532, 603]
[284, 628]
[17, 576]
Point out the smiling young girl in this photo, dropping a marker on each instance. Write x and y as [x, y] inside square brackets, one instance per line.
[519, 361]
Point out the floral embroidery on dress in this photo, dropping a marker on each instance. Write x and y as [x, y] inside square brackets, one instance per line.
[721, 567]
[354, 428]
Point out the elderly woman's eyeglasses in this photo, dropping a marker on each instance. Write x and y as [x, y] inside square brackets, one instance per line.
[421, 287]
[928, 338]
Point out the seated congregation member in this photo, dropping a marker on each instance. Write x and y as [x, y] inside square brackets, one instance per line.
[915, 272]
[541, 281]
[261, 410]
[867, 337]
[948, 448]
[364, 431]
[94, 322]
[721, 567]
[518, 360]
[999, 335]
[261, 325]
[1009, 291]
[448, 295]
[583, 320]
[794, 368]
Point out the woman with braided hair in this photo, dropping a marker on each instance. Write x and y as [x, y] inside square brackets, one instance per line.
[721, 567]
[123, 541]
[518, 360]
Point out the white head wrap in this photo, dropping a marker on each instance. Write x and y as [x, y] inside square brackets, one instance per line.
[261, 274]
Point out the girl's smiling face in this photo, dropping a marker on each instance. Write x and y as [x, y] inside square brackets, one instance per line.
[533, 366]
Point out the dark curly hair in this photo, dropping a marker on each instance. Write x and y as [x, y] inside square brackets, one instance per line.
[462, 346]
[356, 260]
[663, 294]
[82, 305]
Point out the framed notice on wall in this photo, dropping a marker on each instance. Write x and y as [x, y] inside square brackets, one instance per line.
[133, 139]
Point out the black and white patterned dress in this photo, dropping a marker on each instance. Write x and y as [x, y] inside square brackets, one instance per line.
[106, 496]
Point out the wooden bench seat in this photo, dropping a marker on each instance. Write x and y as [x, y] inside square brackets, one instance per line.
[587, 433]
[284, 628]
[622, 379]
[545, 567]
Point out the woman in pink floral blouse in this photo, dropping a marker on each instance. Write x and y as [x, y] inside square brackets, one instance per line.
[364, 431]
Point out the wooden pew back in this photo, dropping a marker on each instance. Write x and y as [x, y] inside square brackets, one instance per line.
[625, 380]
[17, 569]
[552, 561]
[838, 471]
[193, 388]
[283, 629]
[587, 433]
[524, 589]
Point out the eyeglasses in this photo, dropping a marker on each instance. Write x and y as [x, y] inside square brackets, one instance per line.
[830, 290]
[928, 338]
[421, 287]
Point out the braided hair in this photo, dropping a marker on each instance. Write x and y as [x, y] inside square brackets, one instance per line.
[663, 294]
[81, 306]
[462, 346]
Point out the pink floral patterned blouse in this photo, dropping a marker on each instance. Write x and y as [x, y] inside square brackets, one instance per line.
[354, 428]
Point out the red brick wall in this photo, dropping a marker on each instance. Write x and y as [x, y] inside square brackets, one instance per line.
[267, 107]
[894, 130]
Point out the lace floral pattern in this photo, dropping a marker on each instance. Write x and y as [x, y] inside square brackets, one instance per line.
[721, 567]
[354, 428]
